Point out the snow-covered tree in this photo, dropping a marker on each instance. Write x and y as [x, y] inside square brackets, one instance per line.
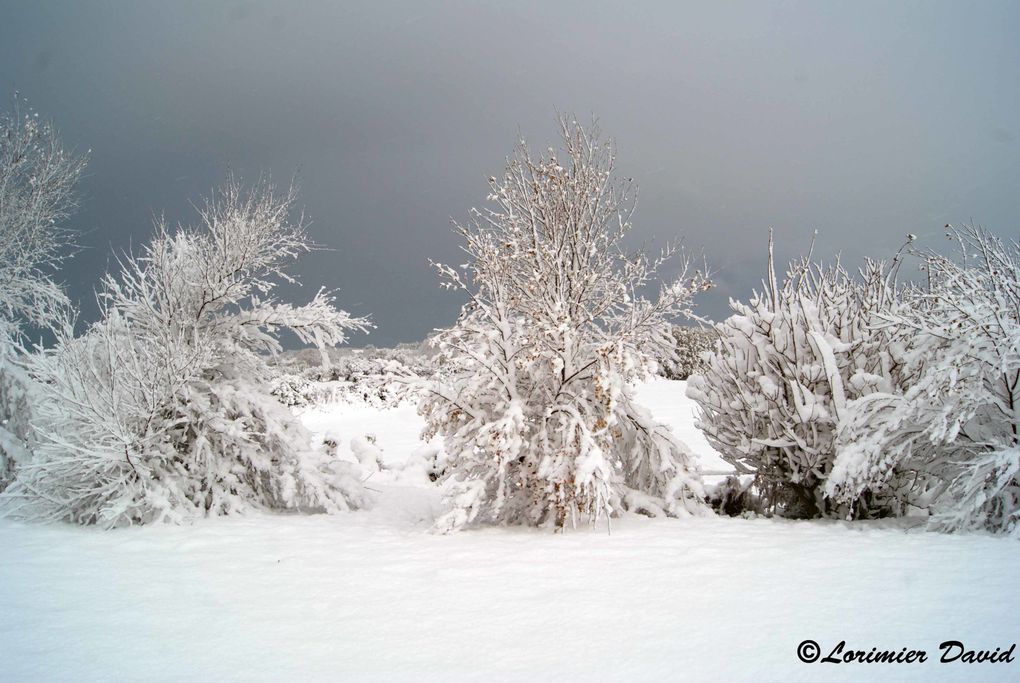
[690, 346]
[37, 182]
[161, 410]
[536, 402]
[776, 387]
[957, 422]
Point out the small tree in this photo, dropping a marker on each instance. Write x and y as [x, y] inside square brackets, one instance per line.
[37, 181]
[161, 410]
[536, 403]
[776, 387]
[957, 423]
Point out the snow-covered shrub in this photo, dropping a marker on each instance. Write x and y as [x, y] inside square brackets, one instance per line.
[367, 453]
[688, 358]
[160, 411]
[37, 183]
[293, 390]
[374, 391]
[352, 365]
[535, 398]
[957, 422]
[733, 497]
[371, 377]
[16, 438]
[786, 364]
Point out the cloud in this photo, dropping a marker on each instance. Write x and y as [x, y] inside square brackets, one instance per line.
[851, 119]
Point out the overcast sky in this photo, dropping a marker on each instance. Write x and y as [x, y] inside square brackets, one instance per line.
[862, 120]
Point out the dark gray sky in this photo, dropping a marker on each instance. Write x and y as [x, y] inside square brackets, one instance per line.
[863, 120]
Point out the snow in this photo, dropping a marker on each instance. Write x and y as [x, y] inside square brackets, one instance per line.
[396, 429]
[372, 596]
[668, 402]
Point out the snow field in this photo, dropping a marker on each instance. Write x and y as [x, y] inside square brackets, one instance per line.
[372, 596]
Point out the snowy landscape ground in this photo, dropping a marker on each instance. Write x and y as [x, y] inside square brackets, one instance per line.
[371, 595]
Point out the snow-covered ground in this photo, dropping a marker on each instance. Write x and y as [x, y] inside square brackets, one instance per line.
[372, 596]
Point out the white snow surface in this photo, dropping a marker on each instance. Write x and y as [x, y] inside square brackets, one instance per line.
[372, 596]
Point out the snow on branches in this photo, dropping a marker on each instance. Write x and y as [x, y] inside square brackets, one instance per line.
[37, 182]
[535, 402]
[957, 423]
[161, 411]
[775, 390]
[849, 396]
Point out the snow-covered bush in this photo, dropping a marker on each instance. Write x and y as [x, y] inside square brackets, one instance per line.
[688, 358]
[367, 453]
[776, 387]
[37, 183]
[957, 422]
[351, 365]
[535, 398]
[296, 391]
[160, 411]
[16, 438]
[373, 377]
[733, 497]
